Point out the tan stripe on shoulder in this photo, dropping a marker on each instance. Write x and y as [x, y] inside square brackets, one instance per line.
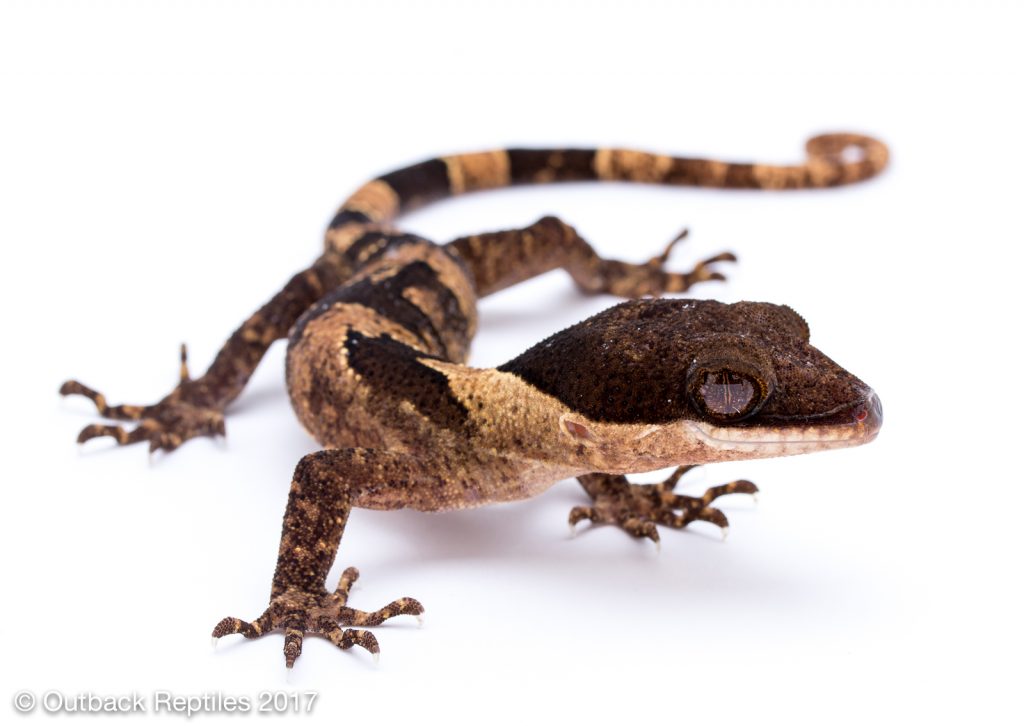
[482, 170]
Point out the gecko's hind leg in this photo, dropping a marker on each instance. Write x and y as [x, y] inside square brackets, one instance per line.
[196, 405]
[500, 259]
[639, 508]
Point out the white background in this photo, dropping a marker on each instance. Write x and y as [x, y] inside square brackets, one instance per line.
[166, 167]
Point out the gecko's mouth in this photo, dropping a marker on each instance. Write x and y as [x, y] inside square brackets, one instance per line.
[851, 426]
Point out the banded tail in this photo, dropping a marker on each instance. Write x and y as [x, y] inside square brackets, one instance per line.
[832, 160]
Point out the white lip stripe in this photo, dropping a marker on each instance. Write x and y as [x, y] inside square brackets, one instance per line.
[766, 441]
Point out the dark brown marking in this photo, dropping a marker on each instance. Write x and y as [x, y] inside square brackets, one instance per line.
[532, 166]
[420, 183]
[393, 369]
[373, 244]
[348, 216]
[387, 298]
[646, 350]
[740, 176]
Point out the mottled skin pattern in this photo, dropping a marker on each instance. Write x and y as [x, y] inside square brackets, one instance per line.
[379, 328]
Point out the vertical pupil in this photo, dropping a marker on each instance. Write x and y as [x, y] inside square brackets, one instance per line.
[726, 393]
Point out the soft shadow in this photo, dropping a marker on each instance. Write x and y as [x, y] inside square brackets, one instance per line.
[600, 561]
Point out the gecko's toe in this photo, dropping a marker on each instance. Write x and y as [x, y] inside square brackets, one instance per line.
[323, 613]
[96, 431]
[292, 646]
[682, 281]
[185, 413]
[578, 514]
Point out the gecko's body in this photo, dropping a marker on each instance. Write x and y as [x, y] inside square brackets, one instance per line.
[379, 330]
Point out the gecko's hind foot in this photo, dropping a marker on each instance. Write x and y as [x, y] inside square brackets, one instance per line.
[184, 414]
[683, 281]
[324, 613]
[639, 508]
[650, 278]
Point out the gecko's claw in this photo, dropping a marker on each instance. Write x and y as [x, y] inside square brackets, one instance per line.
[183, 374]
[639, 527]
[299, 614]
[639, 508]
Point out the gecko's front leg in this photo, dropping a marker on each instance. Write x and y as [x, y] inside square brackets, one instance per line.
[325, 487]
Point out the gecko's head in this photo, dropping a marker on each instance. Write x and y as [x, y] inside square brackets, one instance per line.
[718, 381]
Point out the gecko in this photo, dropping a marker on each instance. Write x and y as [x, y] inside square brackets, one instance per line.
[379, 328]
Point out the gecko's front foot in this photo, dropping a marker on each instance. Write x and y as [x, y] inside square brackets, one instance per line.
[188, 411]
[301, 613]
[639, 508]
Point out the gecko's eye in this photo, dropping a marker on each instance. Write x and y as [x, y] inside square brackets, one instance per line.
[726, 394]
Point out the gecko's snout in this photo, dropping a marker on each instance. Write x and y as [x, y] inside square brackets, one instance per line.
[868, 415]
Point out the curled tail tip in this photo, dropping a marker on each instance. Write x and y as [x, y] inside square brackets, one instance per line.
[864, 155]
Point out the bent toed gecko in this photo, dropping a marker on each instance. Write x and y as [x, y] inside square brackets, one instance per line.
[379, 328]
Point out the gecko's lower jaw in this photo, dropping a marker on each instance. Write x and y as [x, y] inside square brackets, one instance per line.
[851, 425]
